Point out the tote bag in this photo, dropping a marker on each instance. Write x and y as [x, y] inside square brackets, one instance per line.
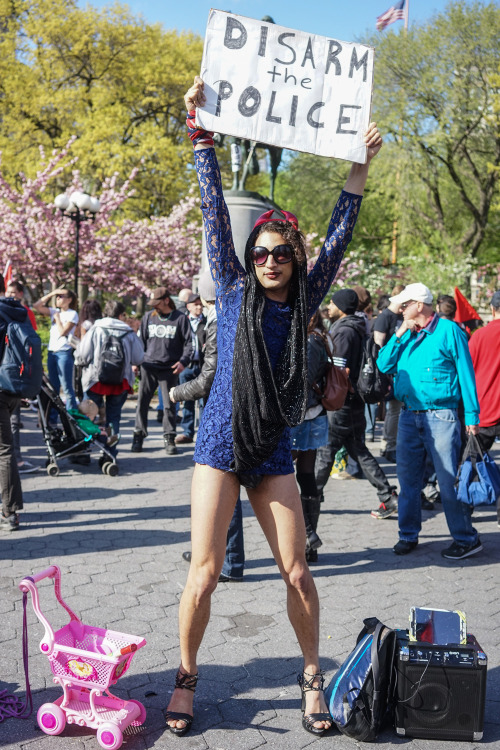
[478, 480]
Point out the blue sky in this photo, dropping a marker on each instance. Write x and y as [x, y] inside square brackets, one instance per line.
[347, 21]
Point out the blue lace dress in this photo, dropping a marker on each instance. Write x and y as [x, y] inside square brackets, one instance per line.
[214, 444]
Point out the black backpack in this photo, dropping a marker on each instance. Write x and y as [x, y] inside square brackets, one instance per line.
[111, 367]
[21, 366]
[372, 385]
[360, 696]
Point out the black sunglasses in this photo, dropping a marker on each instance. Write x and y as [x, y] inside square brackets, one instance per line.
[281, 254]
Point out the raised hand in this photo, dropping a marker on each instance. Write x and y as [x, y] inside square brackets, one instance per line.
[195, 96]
[373, 140]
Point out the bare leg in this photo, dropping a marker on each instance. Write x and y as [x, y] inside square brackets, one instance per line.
[213, 498]
[277, 505]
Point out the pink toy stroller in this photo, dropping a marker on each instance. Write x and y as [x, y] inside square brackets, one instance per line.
[85, 661]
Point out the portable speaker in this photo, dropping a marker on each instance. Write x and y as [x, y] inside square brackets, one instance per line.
[440, 690]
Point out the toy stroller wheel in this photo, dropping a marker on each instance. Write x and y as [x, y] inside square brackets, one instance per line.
[109, 736]
[104, 467]
[142, 716]
[53, 470]
[51, 718]
[112, 469]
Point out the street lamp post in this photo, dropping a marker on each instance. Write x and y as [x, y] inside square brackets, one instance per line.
[78, 207]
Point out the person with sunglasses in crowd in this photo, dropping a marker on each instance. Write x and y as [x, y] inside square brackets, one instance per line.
[258, 394]
[60, 361]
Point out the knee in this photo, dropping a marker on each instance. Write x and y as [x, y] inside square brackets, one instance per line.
[202, 581]
[299, 578]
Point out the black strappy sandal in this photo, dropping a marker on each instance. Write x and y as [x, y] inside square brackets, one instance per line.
[184, 682]
[308, 720]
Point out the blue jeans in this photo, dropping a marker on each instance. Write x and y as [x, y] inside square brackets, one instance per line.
[60, 368]
[114, 406]
[234, 561]
[436, 432]
[188, 410]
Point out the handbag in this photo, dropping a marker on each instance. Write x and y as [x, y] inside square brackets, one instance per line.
[478, 479]
[335, 385]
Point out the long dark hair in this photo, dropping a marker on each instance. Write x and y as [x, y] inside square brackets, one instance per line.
[265, 402]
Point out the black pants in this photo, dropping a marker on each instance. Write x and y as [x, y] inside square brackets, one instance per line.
[346, 427]
[486, 438]
[151, 379]
[10, 483]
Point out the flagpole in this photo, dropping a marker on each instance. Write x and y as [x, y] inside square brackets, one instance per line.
[394, 247]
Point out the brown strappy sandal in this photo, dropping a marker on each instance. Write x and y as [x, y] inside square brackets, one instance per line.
[308, 720]
[184, 682]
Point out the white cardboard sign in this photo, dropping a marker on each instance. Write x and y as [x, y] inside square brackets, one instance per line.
[286, 88]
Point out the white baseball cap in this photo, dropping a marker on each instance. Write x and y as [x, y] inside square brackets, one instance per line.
[413, 292]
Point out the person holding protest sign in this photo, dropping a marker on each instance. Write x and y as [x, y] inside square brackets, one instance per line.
[258, 393]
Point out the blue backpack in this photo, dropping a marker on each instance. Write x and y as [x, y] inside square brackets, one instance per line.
[21, 366]
[360, 696]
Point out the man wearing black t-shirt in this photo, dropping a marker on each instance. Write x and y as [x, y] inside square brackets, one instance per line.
[384, 326]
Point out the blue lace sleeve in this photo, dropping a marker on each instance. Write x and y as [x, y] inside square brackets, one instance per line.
[224, 264]
[338, 237]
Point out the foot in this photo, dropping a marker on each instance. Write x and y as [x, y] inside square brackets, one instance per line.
[390, 456]
[426, 503]
[9, 523]
[181, 702]
[187, 556]
[459, 551]
[170, 447]
[229, 579]
[316, 718]
[404, 548]
[387, 508]
[180, 439]
[137, 441]
[316, 704]
[179, 715]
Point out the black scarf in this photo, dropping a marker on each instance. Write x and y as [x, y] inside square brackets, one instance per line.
[264, 403]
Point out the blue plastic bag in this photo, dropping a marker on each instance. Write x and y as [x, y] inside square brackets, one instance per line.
[478, 480]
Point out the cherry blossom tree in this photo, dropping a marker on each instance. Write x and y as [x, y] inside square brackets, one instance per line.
[122, 257]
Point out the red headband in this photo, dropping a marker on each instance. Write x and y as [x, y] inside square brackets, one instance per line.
[277, 215]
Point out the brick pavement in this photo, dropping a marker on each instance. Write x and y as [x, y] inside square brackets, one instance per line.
[119, 541]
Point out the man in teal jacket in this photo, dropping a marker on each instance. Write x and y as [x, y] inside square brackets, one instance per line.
[432, 368]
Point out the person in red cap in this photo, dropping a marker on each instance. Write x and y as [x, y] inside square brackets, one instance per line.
[258, 394]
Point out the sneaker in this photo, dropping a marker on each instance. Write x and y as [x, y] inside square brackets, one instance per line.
[9, 523]
[159, 416]
[186, 556]
[229, 579]
[458, 551]
[170, 446]
[389, 456]
[26, 468]
[137, 441]
[386, 509]
[403, 548]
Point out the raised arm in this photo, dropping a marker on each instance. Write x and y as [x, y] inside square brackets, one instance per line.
[224, 264]
[341, 224]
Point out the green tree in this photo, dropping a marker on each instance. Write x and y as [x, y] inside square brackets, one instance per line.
[434, 96]
[111, 79]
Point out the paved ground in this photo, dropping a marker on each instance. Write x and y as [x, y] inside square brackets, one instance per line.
[119, 541]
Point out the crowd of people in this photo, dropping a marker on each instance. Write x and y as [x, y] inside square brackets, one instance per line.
[252, 347]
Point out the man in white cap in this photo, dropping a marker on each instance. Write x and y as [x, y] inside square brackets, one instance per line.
[432, 368]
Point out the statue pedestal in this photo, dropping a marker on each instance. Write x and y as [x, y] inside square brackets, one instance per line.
[244, 207]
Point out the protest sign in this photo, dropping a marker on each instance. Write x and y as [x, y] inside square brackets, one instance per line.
[286, 88]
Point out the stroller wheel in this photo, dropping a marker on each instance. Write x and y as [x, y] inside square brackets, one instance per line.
[51, 718]
[109, 736]
[112, 469]
[53, 470]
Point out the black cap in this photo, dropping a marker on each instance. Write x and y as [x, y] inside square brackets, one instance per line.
[346, 300]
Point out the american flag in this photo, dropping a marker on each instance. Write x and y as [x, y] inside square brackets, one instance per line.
[395, 13]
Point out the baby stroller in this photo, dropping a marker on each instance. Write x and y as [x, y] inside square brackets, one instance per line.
[73, 440]
[85, 661]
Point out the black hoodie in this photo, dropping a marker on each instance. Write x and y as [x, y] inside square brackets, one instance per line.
[348, 334]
